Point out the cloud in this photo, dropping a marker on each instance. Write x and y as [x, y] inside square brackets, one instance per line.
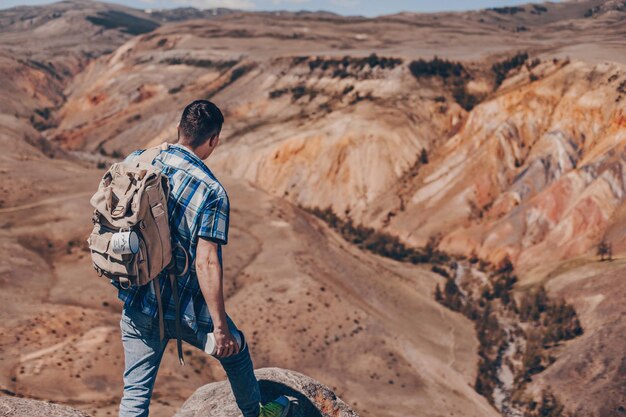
[211, 4]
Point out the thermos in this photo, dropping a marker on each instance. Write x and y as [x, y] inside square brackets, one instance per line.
[124, 243]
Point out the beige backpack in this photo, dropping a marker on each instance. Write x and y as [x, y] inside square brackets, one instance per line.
[132, 197]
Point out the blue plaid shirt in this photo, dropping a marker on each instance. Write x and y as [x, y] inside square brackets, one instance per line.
[198, 206]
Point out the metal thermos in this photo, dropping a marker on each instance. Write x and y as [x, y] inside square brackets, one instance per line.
[123, 243]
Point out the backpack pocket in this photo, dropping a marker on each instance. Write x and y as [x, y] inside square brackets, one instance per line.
[112, 265]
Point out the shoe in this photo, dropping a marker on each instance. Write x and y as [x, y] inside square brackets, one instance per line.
[277, 408]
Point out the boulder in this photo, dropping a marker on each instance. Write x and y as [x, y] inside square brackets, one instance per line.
[23, 407]
[309, 397]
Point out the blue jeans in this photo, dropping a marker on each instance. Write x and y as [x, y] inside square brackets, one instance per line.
[143, 351]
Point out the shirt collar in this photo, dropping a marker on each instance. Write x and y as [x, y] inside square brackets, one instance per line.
[187, 150]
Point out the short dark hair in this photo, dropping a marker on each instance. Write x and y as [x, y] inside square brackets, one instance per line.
[200, 121]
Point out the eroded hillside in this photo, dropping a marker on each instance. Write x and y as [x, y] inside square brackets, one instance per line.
[509, 145]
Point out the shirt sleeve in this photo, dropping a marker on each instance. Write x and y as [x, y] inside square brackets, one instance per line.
[214, 218]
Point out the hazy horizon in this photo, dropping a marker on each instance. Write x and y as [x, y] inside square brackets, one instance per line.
[342, 7]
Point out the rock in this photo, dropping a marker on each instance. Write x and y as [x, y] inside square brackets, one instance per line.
[309, 397]
[23, 407]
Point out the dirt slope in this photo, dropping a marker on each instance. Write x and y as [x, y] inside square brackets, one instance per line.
[371, 320]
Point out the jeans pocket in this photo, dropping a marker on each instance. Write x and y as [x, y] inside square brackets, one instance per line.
[136, 322]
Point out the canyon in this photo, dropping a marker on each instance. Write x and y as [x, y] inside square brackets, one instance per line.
[496, 135]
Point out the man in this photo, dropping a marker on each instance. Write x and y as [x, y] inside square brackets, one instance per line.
[199, 209]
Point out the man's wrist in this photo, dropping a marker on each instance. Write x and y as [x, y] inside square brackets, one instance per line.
[220, 326]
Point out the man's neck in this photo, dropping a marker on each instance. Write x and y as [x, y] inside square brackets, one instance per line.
[188, 148]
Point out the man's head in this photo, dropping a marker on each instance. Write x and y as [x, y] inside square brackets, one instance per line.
[199, 127]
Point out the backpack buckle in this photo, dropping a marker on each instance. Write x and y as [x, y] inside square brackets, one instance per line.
[124, 283]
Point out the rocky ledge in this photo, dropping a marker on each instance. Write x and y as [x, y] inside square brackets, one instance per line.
[23, 407]
[309, 397]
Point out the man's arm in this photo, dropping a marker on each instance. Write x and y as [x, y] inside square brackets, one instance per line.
[210, 278]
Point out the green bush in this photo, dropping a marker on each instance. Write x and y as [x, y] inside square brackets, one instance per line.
[348, 66]
[506, 10]
[436, 68]
[501, 69]
[200, 63]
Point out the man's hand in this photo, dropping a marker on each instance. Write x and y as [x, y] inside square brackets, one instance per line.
[225, 343]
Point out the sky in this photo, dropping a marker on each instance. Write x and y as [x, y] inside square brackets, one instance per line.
[345, 7]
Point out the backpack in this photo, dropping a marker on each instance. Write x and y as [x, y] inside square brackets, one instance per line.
[132, 197]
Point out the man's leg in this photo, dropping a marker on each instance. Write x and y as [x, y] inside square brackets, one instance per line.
[243, 382]
[240, 372]
[143, 351]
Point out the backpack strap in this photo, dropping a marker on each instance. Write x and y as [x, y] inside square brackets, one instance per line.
[179, 343]
[157, 294]
[149, 154]
[174, 284]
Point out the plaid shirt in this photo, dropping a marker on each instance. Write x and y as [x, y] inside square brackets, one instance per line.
[198, 206]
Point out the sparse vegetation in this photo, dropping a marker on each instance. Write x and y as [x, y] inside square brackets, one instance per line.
[507, 10]
[42, 120]
[201, 63]
[278, 93]
[297, 92]
[44, 113]
[463, 98]
[436, 68]
[549, 406]
[358, 97]
[176, 89]
[348, 66]
[592, 11]
[453, 72]
[127, 23]
[116, 153]
[377, 242]
[47, 67]
[502, 68]
[605, 251]
[423, 156]
[238, 73]
[477, 212]
[493, 309]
